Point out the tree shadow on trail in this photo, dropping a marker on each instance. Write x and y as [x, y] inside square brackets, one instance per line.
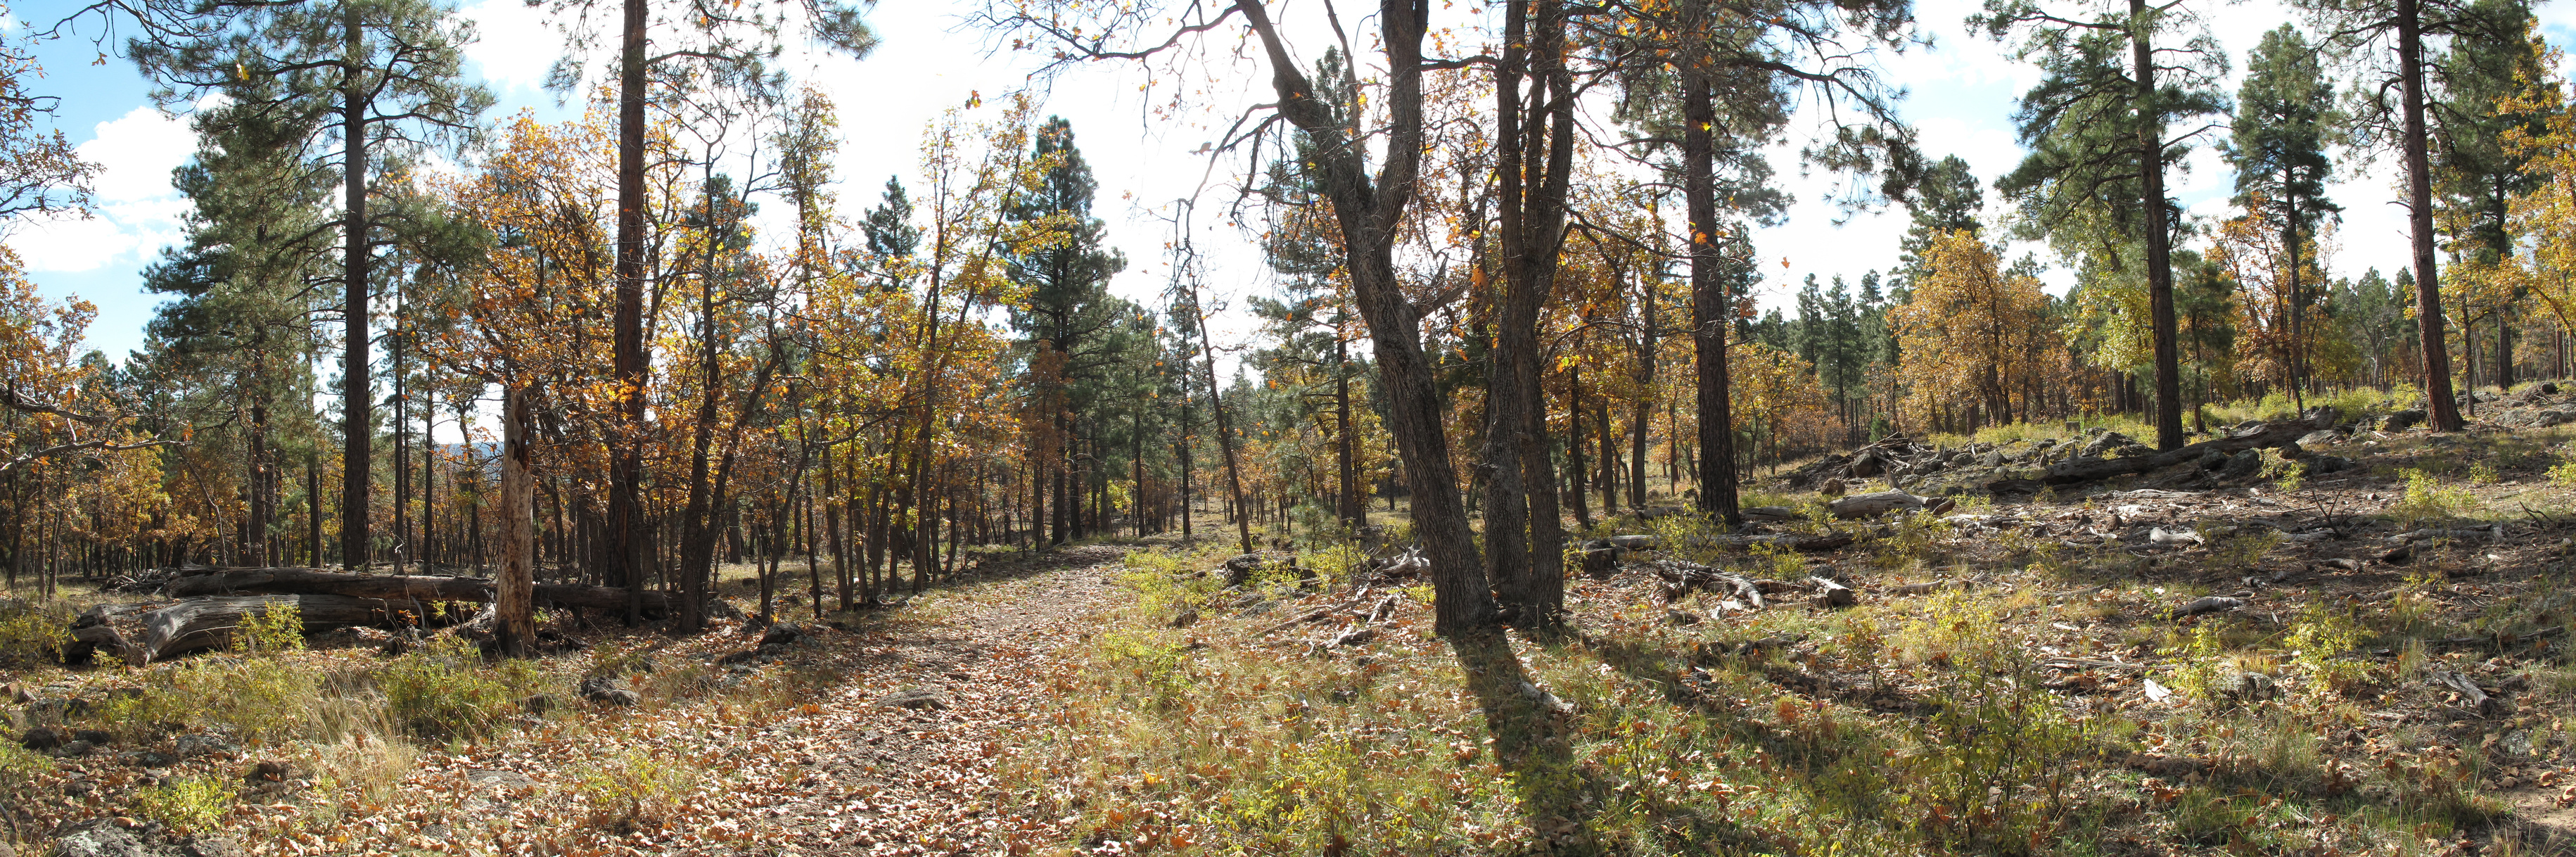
[1530, 730]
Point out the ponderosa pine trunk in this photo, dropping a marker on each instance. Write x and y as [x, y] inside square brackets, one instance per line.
[2151, 169]
[2442, 412]
[1712, 310]
[357, 387]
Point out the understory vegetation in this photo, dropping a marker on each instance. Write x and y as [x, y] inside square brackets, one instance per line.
[1997, 690]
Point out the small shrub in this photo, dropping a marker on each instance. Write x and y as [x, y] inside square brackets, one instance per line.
[2247, 546]
[1161, 668]
[444, 691]
[2318, 639]
[2482, 473]
[2427, 500]
[185, 804]
[17, 763]
[2202, 657]
[2286, 473]
[32, 634]
[634, 790]
[2563, 475]
[276, 628]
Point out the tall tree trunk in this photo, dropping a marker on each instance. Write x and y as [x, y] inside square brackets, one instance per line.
[1181, 443]
[2151, 168]
[1353, 510]
[1712, 309]
[1368, 211]
[2443, 413]
[1524, 530]
[428, 477]
[1224, 427]
[357, 389]
[627, 553]
[262, 495]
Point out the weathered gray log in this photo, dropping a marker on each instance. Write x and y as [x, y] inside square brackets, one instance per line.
[2209, 604]
[1792, 541]
[88, 642]
[2081, 470]
[207, 623]
[1878, 503]
[1682, 577]
[305, 581]
[96, 630]
[1773, 514]
[1829, 593]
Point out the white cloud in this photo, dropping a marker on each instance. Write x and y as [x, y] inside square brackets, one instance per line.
[136, 153]
[138, 211]
[515, 45]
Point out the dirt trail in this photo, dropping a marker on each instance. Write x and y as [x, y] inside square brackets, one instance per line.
[892, 780]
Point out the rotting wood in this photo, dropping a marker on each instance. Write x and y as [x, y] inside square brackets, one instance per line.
[205, 623]
[2082, 470]
[305, 581]
[1878, 503]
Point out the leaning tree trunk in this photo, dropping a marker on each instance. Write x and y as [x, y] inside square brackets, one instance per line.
[1368, 211]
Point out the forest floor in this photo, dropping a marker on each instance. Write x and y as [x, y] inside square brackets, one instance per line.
[868, 734]
[2199, 660]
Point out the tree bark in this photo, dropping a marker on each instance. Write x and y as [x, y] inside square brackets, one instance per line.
[2442, 412]
[1712, 310]
[515, 602]
[623, 561]
[2151, 169]
[1368, 210]
[357, 389]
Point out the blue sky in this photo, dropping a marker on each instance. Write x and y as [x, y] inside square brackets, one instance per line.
[1961, 90]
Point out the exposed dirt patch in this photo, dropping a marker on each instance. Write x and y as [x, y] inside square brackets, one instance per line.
[890, 779]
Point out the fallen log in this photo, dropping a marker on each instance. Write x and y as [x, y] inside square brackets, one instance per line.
[421, 588]
[305, 581]
[95, 630]
[207, 623]
[2088, 469]
[1792, 541]
[1878, 503]
[1829, 594]
[1682, 577]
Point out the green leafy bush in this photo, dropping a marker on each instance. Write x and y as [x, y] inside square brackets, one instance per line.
[634, 789]
[185, 804]
[2427, 500]
[275, 628]
[443, 690]
[32, 634]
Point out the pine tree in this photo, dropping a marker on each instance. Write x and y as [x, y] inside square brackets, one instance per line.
[2097, 126]
[2285, 117]
[354, 88]
[1946, 200]
[1068, 321]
